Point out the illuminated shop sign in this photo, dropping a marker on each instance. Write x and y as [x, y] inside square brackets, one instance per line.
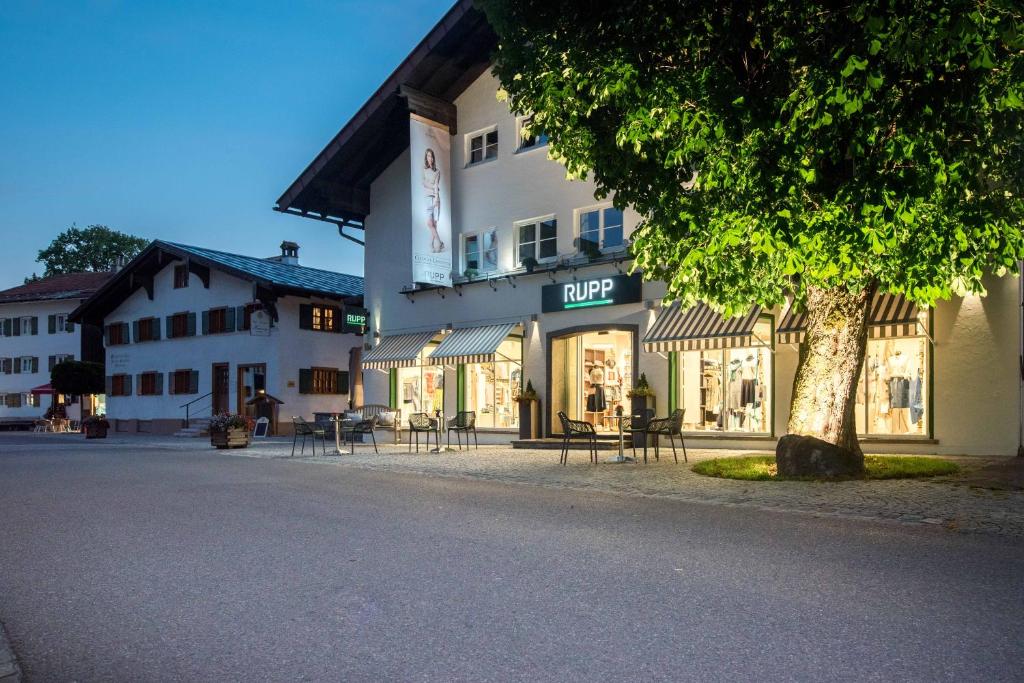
[599, 291]
[355, 320]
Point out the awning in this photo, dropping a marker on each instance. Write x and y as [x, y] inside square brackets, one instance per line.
[471, 345]
[398, 351]
[43, 390]
[699, 328]
[891, 316]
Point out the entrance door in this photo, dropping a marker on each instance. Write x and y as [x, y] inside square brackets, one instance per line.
[221, 389]
[251, 379]
[591, 373]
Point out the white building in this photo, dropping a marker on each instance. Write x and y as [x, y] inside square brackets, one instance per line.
[941, 381]
[193, 332]
[35, 335]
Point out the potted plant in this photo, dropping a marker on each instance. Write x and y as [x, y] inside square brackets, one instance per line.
[95, 427]
[529, 263]
[229, 431]
[529, 412]
[641, 400]
[471, 273]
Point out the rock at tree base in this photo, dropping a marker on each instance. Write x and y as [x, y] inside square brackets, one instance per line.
[806, 456]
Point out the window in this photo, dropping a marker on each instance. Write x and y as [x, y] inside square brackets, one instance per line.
[323, 381]
[492, 388]
[7, 365]
[420, 388]
[483, 146]
[480, 251]
[58, 322]
[5, 331]
[120, 385]
[600, 227]
[29, 364]
[32, 400]
[537, 239]
[180, 277]
[12, 400]
[58, 359]
[319, 317]
[323, 318]
[219, 320]
[117, 333]
[184, 382]
[528, 137]
[727, 390]
[892, 394]
[147, 329]
[29, 325]
[181, 325]
[246, 315]
[150, 384]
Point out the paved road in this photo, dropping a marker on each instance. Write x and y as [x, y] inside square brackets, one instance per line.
[168, 565]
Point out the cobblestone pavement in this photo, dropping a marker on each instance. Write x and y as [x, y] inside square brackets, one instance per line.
[936, 501]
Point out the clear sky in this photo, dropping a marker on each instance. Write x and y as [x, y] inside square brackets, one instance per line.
[183, 119]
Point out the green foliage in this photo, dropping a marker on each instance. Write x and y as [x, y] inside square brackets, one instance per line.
[78, 378]
[96, 248]
[778, 145]
[643, 388]
[763, 468]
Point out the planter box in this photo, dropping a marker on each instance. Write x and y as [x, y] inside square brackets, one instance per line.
[232, 438]
[529, 419]
[637, 405]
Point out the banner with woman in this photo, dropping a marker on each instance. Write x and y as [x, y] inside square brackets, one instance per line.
[430, 155]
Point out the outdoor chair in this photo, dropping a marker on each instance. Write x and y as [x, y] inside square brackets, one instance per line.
[420, 423]
[362, 427]
[304, 429]
[638, 426]
[463, 422]
[671, 426]
[577, 429]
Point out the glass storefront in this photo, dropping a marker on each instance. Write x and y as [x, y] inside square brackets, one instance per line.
[591, 373]
[727, 390]
[893, 389]
[492, 388]
[421, 387]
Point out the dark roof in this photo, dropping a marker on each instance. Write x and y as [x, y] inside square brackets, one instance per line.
[70, 286]
[271, 279]
[336, 185]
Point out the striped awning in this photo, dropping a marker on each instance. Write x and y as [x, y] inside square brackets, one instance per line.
[397, 351]
[471, 345]
[891, 316]
[699, 328]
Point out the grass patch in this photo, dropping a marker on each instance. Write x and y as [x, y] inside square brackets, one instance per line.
[762, 468]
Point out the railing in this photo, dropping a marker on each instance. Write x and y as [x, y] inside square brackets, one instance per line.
[188, 407]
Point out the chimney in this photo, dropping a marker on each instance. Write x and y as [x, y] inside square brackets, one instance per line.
[289, 253]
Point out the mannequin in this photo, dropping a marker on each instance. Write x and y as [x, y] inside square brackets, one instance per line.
[899, 392]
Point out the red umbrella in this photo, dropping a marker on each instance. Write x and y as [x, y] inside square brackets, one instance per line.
[43, 390]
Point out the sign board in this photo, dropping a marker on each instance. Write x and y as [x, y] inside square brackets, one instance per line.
[610, 290]
[259, 323]
[261, 428]
[117, 361]
[430, 159]
[354, 321]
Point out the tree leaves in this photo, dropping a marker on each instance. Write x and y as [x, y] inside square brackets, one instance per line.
[96, 248]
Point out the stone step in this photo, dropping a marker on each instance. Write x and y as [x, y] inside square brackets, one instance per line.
[192, 432]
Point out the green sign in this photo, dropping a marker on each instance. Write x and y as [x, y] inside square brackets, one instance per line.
[355, 320]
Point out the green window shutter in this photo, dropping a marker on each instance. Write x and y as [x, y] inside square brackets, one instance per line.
[135, 331]
[109, 383]
[155, 323]
[127, 385]
[305, 316]
[138, 384]
[339, 319]
[17, 327]
[342, 381]
[124, 333]
[69, 326]
[229, 319]
[191, 325]
[7, 327]
[240, 319]
[17, 365]
[193, 382]
[206, 322]
[35, 325]
[305, 381]
[169, 326]
[159, 383]
[170, 383]
[51, 361]
[51, 324]
[35, 364]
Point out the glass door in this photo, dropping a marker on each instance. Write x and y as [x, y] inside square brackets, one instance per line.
[565, 380]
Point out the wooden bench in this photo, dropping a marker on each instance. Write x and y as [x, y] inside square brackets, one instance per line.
[373, 410]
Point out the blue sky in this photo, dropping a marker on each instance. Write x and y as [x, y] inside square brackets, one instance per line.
[183, 120]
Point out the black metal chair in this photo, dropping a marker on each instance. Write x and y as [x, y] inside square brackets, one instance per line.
[304, 429]
[463, 422]
[363, 427]
[671, 426]
[576, 429]
[420, 423]
[638, 424]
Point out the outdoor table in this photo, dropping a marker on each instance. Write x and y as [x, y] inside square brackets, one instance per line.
[339, 426]
[621, 457]
[439, 423]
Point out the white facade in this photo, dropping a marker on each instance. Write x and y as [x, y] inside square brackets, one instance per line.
[282, 354]
[969, 357]
[35, 337]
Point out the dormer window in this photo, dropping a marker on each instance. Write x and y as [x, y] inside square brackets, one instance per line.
[180, 277]
[482, 146]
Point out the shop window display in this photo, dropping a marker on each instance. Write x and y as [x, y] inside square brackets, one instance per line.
[893, 389]
[421, 387]
[591, 375]
[491, 388]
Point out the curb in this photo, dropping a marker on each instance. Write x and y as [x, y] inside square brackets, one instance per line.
[10, 672]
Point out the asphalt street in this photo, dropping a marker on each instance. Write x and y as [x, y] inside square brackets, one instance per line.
[148, 565]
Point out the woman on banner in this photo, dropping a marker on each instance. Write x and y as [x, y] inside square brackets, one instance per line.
[432, 193]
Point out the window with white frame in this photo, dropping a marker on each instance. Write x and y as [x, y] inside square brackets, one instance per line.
[482, 146]
[528, 135]
[27, 324]
[28, 364]
[480, 251]
[600, 227]
[537, 239]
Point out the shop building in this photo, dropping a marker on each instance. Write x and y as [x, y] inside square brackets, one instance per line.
[486, 267]
[35, 335]
[190, 332]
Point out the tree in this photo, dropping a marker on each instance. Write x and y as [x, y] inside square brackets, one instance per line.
[782, 149]
[94, 249]
[77, 378]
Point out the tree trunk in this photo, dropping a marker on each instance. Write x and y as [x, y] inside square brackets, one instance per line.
[831, 357]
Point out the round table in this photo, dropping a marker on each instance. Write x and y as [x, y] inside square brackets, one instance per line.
[621, 457]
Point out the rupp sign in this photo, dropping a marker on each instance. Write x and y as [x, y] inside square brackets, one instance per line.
[599, 291]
